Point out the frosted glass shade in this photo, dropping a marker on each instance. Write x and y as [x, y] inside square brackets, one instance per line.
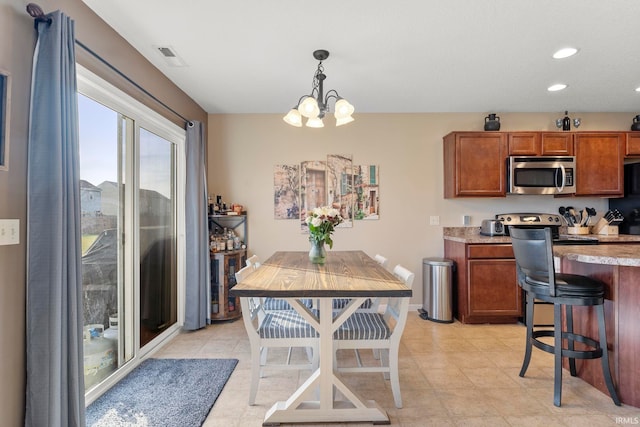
[344, 120]
[343, 108]
[315, 122]
[309, 108]
[293, 118]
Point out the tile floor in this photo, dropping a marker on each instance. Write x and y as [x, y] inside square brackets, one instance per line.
[451, 375]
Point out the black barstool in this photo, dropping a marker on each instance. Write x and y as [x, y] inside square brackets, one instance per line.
[537, 277]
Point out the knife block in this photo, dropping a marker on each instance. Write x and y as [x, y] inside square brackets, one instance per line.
[603, 227]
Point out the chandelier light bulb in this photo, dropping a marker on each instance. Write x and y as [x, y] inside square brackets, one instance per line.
[309, 108]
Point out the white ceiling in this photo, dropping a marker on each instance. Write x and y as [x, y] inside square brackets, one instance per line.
[394, 56]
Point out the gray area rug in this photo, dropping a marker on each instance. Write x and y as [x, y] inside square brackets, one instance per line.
[163, 393]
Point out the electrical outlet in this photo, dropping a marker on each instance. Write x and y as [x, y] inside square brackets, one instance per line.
[466, 220]
[9, 231]
[434, 220]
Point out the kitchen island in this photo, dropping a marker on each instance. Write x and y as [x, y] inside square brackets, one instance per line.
[618, 266]
[486, 291]
[485, 286]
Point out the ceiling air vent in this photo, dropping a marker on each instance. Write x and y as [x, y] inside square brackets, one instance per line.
[170, 56]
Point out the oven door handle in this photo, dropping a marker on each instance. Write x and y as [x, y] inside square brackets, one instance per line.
[561, 188]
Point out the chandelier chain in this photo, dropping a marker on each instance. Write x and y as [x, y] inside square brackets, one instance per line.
[316, 81]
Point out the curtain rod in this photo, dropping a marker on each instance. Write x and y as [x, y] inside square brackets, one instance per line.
[37, 13]
[124, 76]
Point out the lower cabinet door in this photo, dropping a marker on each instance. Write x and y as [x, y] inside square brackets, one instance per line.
[493, 288]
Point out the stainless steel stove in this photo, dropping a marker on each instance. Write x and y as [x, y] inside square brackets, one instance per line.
[541, 220]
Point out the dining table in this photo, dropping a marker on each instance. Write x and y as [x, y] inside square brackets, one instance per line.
[291, 275]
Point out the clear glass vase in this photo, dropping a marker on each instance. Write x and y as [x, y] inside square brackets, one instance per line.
[317, 253]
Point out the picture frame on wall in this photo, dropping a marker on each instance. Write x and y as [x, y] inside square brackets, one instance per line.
[5, 103]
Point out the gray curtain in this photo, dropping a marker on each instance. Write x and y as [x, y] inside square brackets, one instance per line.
[197, 234]
[55, 382]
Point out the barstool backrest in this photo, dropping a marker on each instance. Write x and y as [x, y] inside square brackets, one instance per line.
[533, 250]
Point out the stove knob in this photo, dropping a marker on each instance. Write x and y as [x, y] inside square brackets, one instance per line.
[557, 219]
[508, 219]
[550, 219]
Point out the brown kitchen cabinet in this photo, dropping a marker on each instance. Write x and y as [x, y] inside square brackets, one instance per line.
[540, 144]
[632, 148]
[523, 143]
[474, 164]
[486, 289]
[556, 144]
[599, 163]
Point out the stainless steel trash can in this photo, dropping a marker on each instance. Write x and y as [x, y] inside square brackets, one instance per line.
[437, 292]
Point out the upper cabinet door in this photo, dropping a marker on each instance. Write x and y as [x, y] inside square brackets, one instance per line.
[474, 164]
[524, 143]
[599, 163]
[556, 144]
[633, 145]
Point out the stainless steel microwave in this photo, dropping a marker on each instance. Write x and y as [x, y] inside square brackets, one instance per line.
[541, 175]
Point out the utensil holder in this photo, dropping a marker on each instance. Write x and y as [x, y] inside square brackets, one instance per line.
[577, 230]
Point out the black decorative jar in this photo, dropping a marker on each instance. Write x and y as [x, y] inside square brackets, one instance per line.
[636, 123]
[492, 122]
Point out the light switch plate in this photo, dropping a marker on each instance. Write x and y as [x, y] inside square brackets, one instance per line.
[434, 220]
[9, 231]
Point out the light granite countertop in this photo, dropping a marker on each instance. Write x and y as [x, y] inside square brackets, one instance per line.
[619, 254]
[616, 250]
[472, 235]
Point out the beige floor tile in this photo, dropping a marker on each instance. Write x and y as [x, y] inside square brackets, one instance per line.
[481, 422]
[489, 378]
[447, 378]
[467, 403]
[450, 375]
[536, 421]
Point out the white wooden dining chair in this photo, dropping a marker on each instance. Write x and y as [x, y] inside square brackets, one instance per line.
[365, 330]
[272, 304]
[253, 261]
[275, 329]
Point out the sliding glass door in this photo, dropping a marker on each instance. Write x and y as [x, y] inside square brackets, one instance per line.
[103, 140]
[131, 220]
[156, 195]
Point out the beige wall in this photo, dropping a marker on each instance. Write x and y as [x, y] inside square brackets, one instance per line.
[16, 49]
[408, 148]
[17, 38]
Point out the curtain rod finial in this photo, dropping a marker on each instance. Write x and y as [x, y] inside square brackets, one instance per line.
[34, 10]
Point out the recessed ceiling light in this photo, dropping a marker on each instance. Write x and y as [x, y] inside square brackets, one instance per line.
[557, 87]
[565, 52]
[638, 89]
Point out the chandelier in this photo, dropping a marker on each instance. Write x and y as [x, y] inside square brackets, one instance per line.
[315, 105]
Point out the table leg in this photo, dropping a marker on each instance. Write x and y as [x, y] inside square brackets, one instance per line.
[304, 405]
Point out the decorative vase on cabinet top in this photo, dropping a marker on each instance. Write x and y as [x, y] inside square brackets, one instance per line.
[492, 122]
[636, 123]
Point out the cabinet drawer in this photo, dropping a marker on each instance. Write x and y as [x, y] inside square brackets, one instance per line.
[490, 251]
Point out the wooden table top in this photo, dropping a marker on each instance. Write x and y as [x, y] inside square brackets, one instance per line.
[344, 274]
